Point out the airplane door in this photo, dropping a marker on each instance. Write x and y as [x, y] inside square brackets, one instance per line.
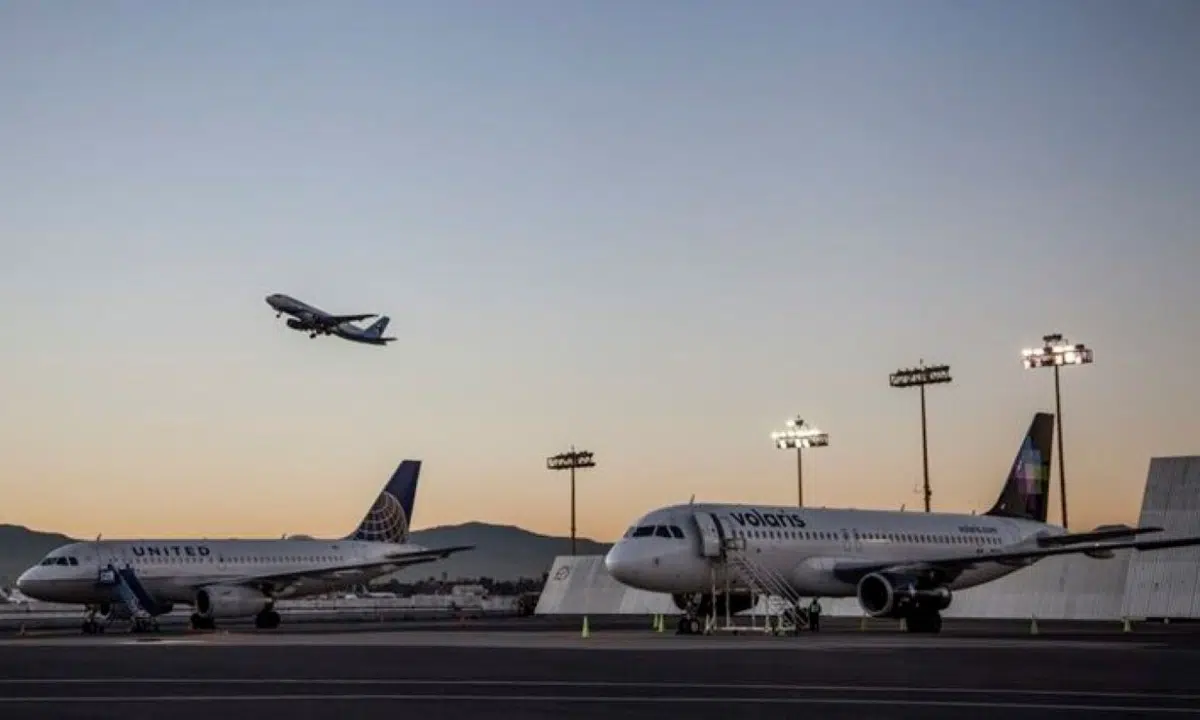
[857, 540]
[710, 534]
[846, 544]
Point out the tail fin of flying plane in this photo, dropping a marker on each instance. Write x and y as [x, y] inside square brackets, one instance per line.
[1026, 494]
[388, 519]
[376, 329]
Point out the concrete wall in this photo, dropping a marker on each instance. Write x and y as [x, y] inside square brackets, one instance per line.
[1067, 588]
[1163, 583]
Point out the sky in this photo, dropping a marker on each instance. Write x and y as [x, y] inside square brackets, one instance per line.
[654, 230]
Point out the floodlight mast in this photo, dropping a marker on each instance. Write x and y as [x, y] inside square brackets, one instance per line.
[572, 460]
[1057, 352]
[921, 376]
[799, 435]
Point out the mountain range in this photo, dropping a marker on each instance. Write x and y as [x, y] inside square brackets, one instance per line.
[502, 552]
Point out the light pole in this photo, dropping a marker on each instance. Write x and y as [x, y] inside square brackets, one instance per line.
[921, 376]
[1056, 352]
[575, 459]
[799, 435]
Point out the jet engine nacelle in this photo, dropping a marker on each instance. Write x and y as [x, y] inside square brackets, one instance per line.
[887, 595]
[295, 324]
[220, 601]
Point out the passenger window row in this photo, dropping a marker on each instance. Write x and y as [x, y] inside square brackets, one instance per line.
[872, 537]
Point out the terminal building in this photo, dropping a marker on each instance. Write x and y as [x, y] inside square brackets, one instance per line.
[1164, 584]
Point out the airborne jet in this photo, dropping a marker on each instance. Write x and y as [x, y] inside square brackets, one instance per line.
[314, 321]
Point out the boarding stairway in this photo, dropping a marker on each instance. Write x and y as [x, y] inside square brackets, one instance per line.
[782, 603]
[143, 608]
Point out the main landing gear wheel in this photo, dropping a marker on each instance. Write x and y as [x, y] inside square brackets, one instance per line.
[91, 627]
[267, 620]
[688, 626]
[140, 625]
[924, 623]
[199, 622]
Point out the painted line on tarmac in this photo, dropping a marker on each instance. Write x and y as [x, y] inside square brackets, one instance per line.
[597, 699]
[611, 684]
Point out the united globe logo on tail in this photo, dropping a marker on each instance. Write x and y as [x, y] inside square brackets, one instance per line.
[386, 522]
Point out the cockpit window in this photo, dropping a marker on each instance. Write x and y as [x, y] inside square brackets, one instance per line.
[662, 531]
[60, 560]
[677, 532]
[644, 531]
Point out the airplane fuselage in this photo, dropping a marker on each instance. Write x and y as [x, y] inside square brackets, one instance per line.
[171, 570]
[801, 545]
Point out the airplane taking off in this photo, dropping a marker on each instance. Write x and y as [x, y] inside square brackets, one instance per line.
[142, 579]
[314, 321]
[899, 565]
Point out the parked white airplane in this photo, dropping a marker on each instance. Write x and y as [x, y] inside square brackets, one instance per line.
[898, 564]
[315, 321]
[142, 579]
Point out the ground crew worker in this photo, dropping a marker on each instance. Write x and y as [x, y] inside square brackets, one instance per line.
[814, 615]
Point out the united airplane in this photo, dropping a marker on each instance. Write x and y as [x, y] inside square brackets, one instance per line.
[314, 321]
[897, 564]
[143, 579]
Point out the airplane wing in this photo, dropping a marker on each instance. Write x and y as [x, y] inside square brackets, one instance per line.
[331, 320]
[1104, 532]
[395, 561]
[947, 568]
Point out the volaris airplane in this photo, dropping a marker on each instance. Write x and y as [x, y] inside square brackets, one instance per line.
[898, 564]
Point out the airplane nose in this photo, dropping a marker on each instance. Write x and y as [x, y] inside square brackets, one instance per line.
[23, 581]
[616, 561]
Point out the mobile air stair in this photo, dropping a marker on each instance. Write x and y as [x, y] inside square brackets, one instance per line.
[143, 608]
[772, 598]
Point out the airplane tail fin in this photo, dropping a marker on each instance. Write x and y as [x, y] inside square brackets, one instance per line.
[376, 329]
[1026, 494]
[389, 517]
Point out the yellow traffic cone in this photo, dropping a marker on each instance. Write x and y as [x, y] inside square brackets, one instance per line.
[1125, 627]
[1033, 628]
[662, 622]
[862, 624]
[585, 633]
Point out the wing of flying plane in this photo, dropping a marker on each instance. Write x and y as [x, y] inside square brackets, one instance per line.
[947, 568]
[278, 582]
[332, 320]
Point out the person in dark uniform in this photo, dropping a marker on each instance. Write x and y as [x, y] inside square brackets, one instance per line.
[814, 615]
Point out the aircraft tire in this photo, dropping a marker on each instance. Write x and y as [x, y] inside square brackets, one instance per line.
[267, 620]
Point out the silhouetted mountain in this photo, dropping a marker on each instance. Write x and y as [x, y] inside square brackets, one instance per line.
[502, 552]
[21, 547]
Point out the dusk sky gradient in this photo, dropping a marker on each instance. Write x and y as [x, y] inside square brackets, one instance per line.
[655, 229]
